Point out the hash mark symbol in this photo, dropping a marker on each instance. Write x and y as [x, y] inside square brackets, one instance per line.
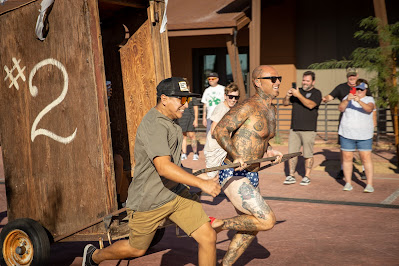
[10, 75]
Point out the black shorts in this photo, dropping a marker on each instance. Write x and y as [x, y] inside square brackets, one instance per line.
[186, 122]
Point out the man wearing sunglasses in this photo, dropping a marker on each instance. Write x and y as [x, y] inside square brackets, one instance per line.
[213, 96]
[305, 110]
[158, 189]
[244, 132]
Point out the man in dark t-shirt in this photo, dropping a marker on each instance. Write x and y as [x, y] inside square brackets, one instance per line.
[343, 89]
[305, 106]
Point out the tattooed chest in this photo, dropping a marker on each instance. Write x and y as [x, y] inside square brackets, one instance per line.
[265, 123]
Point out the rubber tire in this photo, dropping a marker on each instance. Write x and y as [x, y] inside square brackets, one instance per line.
[157, 237]
[37, 235]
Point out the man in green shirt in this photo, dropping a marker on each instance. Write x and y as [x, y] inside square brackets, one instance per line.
[157, 190]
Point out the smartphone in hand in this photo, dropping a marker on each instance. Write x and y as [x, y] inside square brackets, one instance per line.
[293, 85]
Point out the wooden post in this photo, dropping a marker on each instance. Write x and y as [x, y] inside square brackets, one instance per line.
[235, 64]
[381, 13]
[394, 114]
[254, 40]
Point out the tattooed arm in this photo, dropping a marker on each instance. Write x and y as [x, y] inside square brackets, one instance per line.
[232, 121]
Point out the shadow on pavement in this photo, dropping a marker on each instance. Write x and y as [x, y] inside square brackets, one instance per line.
[254, 251]
[64, 253]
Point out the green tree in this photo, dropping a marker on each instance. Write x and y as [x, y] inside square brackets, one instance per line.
[378, 57]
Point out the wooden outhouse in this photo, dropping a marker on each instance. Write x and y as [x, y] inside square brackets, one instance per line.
[59, 131]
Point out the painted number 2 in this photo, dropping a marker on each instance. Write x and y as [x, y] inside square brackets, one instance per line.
[33, 91]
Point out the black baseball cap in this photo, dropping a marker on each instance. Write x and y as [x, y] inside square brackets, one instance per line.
[213, 74]
[174, 86]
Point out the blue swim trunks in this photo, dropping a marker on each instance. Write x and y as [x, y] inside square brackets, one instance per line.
[227, 173]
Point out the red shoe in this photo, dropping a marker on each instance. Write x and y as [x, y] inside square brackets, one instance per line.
[212, 219]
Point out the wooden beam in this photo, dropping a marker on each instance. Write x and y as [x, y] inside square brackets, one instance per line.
[254, 40]
[242, 22]
[235, 65]
[180, 33]
[129, 3]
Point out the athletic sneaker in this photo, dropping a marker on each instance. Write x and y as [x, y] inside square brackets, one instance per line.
[363, 176]
[368, 189]
[195, 157]
[87, 254]
[183, 156]
[289, 180]
[340, 175]
[348, 187]
[305, 181]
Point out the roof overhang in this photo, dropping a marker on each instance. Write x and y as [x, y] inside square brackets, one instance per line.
[206, 17]
[198, 32]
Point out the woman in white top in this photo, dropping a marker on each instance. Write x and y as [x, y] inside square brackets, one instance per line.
[214, 154]
[356, 131]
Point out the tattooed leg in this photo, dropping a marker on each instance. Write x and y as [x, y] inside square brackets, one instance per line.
[308, 166]
[257, 214]
[194, 145]
[238, 245]
[193, 141]
[292, 165]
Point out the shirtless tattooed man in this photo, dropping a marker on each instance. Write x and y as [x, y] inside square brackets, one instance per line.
[244, 132]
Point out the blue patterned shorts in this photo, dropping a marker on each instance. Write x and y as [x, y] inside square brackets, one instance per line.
[227, 173]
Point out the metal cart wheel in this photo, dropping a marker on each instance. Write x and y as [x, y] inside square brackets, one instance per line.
[157, 237]
[24, 242]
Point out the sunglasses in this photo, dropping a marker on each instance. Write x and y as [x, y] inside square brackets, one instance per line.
[183, 99]
[273, 79]
[212, 79]
[231, 97]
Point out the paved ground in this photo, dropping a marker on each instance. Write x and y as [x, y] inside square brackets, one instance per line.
[318, 224]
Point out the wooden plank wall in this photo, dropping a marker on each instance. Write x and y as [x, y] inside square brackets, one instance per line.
[145, 62]
[63, 182]
[139, 80]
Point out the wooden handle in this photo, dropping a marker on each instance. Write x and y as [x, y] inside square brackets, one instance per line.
[234, 165]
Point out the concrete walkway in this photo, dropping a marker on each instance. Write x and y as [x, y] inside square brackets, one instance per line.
[317, 224]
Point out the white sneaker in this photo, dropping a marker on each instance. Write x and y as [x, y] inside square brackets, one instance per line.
[289, 180]
[369, 189]
[183, 156]
[195, 157]
[347, 187]
[305, 181]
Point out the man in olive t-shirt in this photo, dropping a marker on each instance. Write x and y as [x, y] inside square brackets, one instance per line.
[157, 190]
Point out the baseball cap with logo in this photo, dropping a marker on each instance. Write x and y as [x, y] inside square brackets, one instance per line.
[362, 86]
[174, 86]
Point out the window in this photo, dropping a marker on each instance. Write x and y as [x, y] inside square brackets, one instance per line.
[206, 60]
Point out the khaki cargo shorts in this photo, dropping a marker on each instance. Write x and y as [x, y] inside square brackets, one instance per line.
[185, 211]
[302, 138]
